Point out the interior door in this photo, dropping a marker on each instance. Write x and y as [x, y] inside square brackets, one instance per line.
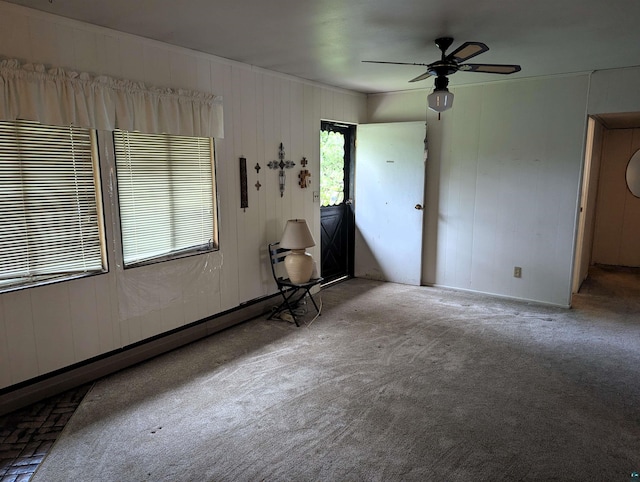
[389, 187]
[337, 144]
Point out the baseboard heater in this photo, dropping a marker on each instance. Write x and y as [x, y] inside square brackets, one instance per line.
[30, 391]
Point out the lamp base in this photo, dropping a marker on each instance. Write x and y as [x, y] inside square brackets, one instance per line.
[299, 266]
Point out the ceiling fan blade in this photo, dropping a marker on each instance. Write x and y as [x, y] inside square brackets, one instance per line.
[426, 75]
[467, 50]
[395, 63]
[490, 68]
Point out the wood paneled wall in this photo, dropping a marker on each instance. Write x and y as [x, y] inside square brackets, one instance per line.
[617, 226]
[51, 327]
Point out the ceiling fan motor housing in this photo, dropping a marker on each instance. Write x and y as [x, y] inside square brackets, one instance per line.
[443, 67]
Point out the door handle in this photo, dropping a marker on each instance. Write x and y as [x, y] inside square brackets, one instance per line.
[419, 207]
[349, 201]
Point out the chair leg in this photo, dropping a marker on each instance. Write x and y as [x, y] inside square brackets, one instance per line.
[314, 303]
[286, 305]
[290, 301]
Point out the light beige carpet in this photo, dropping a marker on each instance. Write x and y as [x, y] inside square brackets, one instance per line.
[392, 382]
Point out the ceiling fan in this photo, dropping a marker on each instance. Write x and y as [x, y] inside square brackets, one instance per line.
[441, 99]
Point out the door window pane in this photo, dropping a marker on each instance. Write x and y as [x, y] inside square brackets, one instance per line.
[331, 168]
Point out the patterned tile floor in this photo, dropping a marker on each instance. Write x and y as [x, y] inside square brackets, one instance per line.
[26, 435]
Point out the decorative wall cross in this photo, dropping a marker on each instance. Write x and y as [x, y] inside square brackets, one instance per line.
[304, 178]
[282, 165]
[304, 174]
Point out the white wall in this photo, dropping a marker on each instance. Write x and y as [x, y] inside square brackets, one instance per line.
[614, 91]
[502, 184]
[46, 328]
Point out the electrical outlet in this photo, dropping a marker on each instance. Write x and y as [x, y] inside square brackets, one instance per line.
[316, 196]
[517, 272]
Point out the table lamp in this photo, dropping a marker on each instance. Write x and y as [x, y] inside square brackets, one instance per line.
[298, 263]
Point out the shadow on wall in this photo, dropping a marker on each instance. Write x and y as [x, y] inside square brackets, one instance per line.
[366, 264]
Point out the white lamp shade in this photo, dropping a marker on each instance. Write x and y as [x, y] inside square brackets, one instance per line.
[440, 100]
[296, 235]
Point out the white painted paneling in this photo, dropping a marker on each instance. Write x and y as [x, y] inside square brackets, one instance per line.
[85, 51]
[171, 317]
[132, 59]
[222, 76]
[184, 70]
[257, 197]
[108, 329]
[109, 54]
[157, 65]
[43, 38]
[131, 329]
[54, 326]
[5, 356]
[507, 161]
[84, 318]
[66, 47]
[14, 34]
[20, 330]
[249, 222]
[311, 150]
[285, 136]
[266, 176]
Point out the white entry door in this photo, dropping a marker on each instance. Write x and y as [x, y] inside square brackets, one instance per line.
[389, 200]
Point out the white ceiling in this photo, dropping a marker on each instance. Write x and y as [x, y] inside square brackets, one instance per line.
[326, 40]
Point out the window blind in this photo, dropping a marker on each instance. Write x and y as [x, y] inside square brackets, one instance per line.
[49, 219]
[166, 195]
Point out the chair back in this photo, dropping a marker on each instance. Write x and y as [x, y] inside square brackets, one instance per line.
[277, 255]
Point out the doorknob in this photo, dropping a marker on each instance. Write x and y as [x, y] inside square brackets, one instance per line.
[419, 207]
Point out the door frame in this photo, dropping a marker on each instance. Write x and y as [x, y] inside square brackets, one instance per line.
[350, 132]
[391, 198]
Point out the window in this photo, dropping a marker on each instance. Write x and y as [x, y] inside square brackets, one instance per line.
[166, 192]
[50, 212]
[332, 155]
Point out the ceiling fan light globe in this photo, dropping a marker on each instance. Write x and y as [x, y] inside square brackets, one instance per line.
[440, 100]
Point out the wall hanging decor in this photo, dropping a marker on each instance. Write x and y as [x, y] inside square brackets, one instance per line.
[244, 195]
[304, 174]
[282, 165]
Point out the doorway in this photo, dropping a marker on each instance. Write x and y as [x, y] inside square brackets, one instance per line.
[337, 220]
[607, 231]
[390, 192]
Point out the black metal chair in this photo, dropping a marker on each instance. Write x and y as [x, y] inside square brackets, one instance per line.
[289, 290]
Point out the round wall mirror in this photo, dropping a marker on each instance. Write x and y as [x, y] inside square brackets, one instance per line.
[633, 174]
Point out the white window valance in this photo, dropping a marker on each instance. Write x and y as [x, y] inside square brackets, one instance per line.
[56, 96]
